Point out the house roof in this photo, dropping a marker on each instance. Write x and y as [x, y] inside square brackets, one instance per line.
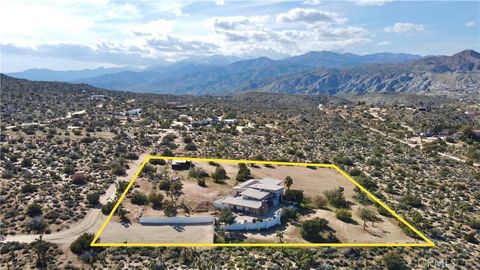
[239, 201]
[246, 183]
[268, 184]
[179, 162]
[256, 194]
[271, 181]
[266, 187]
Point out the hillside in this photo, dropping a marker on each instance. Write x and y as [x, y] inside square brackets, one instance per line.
[459, 73]
[225, 77]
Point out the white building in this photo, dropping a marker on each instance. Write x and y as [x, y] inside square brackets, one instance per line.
[255, 196]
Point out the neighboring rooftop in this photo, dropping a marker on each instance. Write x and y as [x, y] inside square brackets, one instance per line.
[256, 194]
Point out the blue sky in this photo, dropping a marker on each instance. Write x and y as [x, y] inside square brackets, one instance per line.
[72, 34]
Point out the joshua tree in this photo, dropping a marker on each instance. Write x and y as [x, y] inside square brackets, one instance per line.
[279, 235]
[288, 182]
[41, 247]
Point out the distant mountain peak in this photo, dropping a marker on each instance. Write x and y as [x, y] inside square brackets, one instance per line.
[468, 53]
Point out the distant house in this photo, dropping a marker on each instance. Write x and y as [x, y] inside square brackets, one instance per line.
[177, 106]
[255, 196]
[134, 111]
[97, 96]
[205, 122]
[230, 121]
[422, 109]
[179, 165]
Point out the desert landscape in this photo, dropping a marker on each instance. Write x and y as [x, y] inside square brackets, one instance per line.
[200, 189]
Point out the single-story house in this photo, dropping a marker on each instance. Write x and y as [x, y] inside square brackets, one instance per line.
[134, 111]
[255, 196]
[181, 164]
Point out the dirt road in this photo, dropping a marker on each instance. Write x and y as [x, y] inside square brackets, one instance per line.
[90, 223]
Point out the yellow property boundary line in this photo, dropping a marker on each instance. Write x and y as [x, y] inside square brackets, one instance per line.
[428, 242]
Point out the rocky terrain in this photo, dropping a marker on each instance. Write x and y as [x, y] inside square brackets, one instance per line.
[64, 145]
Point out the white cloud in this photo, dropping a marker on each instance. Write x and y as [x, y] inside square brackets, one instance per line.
[384, 43]
[470, 24]
[220, 2]
[122, 12]
[404, 27]
[312, 2]
[102, 33]
[308, 15]
[371, 2]
[153, 28]
[237, 22]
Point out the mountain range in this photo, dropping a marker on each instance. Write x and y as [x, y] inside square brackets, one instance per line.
[311, 73]
[43, 74]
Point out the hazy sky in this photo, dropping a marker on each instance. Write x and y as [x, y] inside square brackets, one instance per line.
[73, 34]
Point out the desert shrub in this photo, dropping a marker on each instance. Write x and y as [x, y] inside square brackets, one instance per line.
[336, 198]
[82, 244]
[155, 199]
[176, 188]
[157, 161]
[355, 172]
[29, 188]
[187, 139]
[243, 173]
[167, 152]
[294, 195]
[149, 169]
[471, 238]
[191, 147]
[312, 228]
[87, 140]
[93, 198]
[410, 200]
[226, 216]
[343, 214]
[394, 261]
[139, 198]
[474, 224]
[107, 208]
[34, 210]
[68, 168]
[367, 214]
[36, 224]
[79, 178]
[197, 173]
[131, 156]
[288, 214]
[383, 211]
[164, 185]
[169, 209]
[26, 163]
[201, 182]
[320, 201]
[118, 169]
[219, 174]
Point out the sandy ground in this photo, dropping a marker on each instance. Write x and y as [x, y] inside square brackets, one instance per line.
[136, 233]
[90, 223]
[311, 181]
[385, 231]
